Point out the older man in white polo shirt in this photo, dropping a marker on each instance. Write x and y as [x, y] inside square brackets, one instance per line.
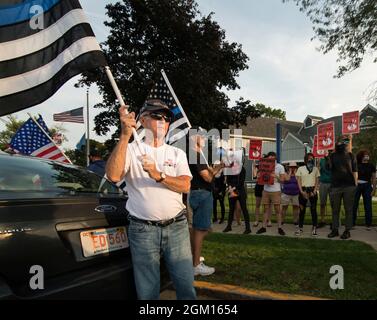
[156, 177]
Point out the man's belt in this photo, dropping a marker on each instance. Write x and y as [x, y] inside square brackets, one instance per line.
[163, 223]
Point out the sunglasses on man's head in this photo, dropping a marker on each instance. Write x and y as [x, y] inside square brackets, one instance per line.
[159, 116]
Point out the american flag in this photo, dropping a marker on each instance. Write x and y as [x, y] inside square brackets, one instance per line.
[180, 126]
[32, 141]
[75, 116]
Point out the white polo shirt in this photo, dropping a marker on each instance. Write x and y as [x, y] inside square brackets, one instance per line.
[149, 200]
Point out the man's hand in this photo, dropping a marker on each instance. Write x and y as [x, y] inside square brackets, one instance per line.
[305, 195]
[127, 122]
[149, 166]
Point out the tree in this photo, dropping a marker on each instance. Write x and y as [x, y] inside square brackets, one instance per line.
[269, 112]
[11, 127]
[149, 35]
[349, 26]
[366, 140]
[78, 157]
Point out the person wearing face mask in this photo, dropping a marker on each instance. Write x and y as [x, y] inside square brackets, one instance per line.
[366, 186]
[308, 183]
[344, 179]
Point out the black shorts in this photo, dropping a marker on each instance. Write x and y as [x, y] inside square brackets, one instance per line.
[259, 190]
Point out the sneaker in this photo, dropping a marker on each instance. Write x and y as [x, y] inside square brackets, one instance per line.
[314, 232]
[346, 235]
[256, 224]
[261, 230]
[227, 229]
[333, 234]
[369, 228]
[269, 225]
[299, 232]
[202, 270]
[281, 232]
[247, 231]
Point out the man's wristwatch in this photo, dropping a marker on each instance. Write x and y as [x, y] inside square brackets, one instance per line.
[162, 177]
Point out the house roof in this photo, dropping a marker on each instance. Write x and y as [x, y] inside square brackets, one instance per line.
[314, 117]
[266, 127]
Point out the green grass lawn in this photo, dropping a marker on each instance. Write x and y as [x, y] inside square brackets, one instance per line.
[288, 265]
[289, 216]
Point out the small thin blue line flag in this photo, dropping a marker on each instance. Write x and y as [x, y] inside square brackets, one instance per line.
[43, 44]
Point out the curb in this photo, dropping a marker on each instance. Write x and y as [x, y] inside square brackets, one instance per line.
[229, 292]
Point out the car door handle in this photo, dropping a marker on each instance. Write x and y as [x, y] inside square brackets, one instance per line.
[105, 209]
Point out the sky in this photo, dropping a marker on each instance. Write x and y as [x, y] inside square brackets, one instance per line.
[286, 70]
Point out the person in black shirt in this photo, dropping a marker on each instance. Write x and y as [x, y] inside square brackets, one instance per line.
[200, 200]
[343, 167]
[219, 190]
[366, 186]
[236, 185]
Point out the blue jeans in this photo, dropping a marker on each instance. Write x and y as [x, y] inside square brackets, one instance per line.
[148, 243]
[201, 202]
[364, 190]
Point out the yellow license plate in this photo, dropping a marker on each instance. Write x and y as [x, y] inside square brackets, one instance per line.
[100, 241]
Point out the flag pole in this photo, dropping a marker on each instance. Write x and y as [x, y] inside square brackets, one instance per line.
[179, 106]
[122, 103]
[87, 128]
[44, 131]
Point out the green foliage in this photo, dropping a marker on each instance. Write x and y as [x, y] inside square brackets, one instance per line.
[78, 157]
[348, 26]
[269, 112]
[366, 140]
[11, 127]
[149, 35]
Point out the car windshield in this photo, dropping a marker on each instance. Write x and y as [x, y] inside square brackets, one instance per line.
[20, 175]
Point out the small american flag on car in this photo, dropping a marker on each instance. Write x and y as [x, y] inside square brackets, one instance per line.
[75, 116]
[31, 140]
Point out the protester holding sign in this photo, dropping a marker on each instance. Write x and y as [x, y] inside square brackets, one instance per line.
[156, 175]
[324, 187]
[366, 186]
[344, 179]
[272, 189]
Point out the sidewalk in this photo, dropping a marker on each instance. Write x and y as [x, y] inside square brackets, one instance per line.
[359, 234]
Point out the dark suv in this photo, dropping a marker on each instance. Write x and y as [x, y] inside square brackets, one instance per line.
[64, 225]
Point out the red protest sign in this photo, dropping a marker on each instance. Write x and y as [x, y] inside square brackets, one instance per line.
[351, 122]
[265, 169]
[318, 153]
[255, 151]
[326, 136]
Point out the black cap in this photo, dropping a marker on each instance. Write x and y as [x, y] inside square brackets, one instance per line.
[156, 105]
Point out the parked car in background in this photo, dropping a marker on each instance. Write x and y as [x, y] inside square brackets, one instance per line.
[70, 222]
